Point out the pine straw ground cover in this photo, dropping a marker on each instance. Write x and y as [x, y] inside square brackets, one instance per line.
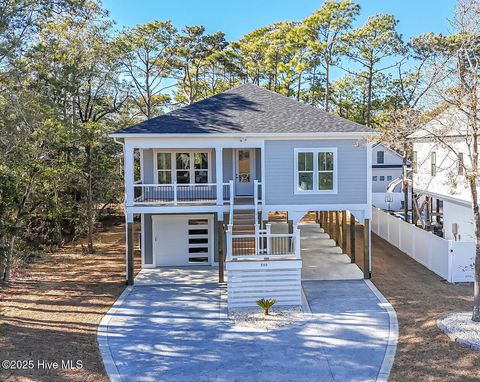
[52, 309]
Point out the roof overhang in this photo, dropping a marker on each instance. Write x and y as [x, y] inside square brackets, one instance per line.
[343, 135]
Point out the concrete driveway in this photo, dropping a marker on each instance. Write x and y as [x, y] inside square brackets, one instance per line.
[176, 331]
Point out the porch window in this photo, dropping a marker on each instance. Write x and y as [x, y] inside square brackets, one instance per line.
[201, 167]
[164, 168]
[183, 167]
[315, 170]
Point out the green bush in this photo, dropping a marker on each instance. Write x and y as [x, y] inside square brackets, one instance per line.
[266, 304]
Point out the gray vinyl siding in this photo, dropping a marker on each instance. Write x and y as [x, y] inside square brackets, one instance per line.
[148, 176]
[227, 165]
[258, 164]
[148, 240]
[280, 177]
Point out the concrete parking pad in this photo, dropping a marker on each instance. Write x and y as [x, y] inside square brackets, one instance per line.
[178, 332]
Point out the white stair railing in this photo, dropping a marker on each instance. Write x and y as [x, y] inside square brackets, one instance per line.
[232, 199]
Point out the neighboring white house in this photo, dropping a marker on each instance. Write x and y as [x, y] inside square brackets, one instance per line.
[438, 172]
[386, 169]
[442, 238]
[212, 171]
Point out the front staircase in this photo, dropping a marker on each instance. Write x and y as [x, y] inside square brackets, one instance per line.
[243, 227]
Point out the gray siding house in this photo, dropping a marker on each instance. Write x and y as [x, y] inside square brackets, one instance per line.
[213, 173]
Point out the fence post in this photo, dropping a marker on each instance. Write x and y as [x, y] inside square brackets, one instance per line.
[229, 242]
[268, 228]
[450, 261]
[296, 240]
[257, 239]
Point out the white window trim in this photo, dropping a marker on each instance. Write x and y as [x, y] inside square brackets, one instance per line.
[315, 152]
[174, 164]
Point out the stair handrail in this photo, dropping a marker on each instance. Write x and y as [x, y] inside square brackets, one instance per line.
[232, 199]
[255, 200]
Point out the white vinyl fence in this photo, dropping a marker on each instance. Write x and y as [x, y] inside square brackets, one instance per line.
[452, 260]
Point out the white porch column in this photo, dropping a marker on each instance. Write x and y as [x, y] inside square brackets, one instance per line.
[129, 237]
[219, 173]
[128, 159]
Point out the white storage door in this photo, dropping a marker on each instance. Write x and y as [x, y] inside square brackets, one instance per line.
[180, 240]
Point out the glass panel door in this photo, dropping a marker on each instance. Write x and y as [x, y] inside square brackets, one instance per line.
[244, 172]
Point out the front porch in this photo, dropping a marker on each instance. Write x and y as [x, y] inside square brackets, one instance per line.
[171, 177]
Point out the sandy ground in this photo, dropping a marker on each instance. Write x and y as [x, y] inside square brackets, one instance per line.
[51, 312]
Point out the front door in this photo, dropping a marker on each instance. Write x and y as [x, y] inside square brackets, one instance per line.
[244, 172]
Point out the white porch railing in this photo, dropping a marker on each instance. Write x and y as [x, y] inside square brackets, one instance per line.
[173, 194]
[263, 244]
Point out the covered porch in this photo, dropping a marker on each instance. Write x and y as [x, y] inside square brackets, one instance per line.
[177, 176]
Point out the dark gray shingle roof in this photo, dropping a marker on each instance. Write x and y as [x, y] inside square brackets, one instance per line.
[245, 109]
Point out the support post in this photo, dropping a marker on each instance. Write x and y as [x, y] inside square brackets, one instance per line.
[290, 226]
[129, 249]
[330, 224]
[352, 238]
[221, 249]
[344, 231]
[338, 228]
[219, 174]
[366, 250]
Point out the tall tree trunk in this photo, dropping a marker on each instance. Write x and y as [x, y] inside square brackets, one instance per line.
[476, 222]
[299, 85]
[88, 151]
[8, 261]
[327, 86]
[369, 95]
[405, 182]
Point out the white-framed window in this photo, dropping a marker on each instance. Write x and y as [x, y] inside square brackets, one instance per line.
[382, 178]
[374, 178]
[316, 170]
[182, 167]
[461, 164]
[433, 163]
[389, 178]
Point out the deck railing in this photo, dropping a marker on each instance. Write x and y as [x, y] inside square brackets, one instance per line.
[263, 244]
[198, 193]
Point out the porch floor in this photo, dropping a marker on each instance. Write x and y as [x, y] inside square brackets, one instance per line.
[322, 259]
[178, 275]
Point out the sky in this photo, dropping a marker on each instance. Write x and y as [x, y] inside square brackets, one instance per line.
[238, 17]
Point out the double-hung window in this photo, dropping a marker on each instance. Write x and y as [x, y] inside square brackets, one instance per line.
[183, 167]
[315, 170]
[164, 168]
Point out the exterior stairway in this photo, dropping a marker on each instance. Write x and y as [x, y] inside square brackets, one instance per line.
[244, 224]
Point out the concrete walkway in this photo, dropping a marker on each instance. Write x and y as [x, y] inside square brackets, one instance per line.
[322, 259]
[178, 332]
